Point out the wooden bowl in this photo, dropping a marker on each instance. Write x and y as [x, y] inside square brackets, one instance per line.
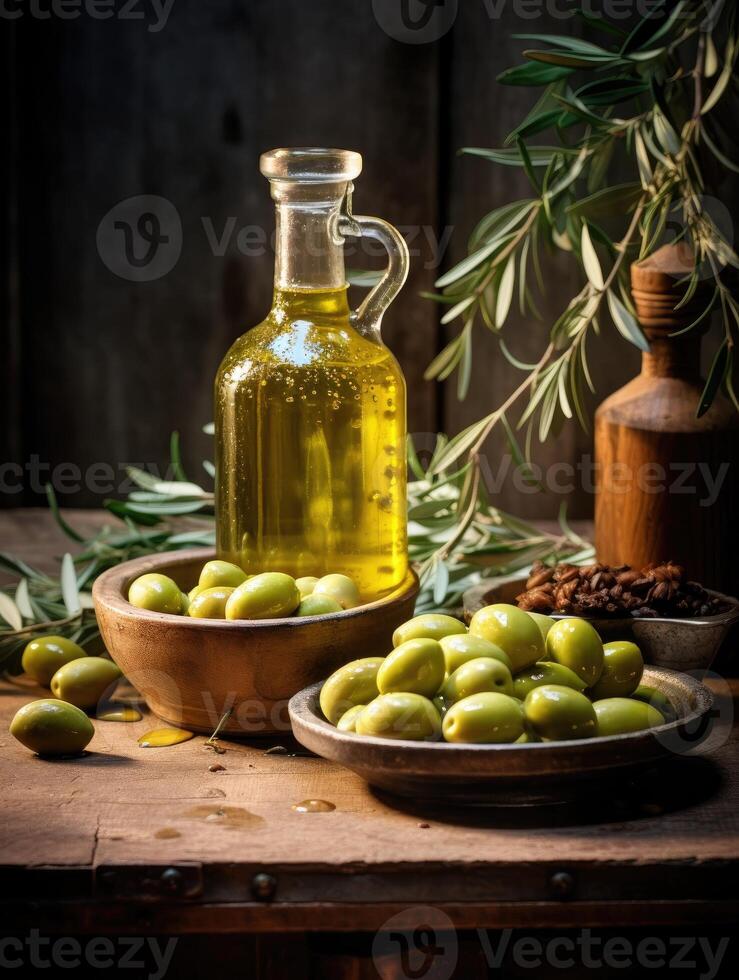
[530, 772]
[679, 644]
[191, 671]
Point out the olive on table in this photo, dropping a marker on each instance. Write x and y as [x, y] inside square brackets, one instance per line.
[217, 573]
[484, 717]
[416, 667]
[348, 721]
[513, 630]
[554, 712]
[658, 700]
[354, 683]
[400, 715]
[211, 603]
[86, 682]
[51, 727]
[481, 674]
[575, 644]
[623, 667]
[157, 593]
[318, 605]
[306, 584]
[270, 595]
[545, 672]
[43, 657]
[339, 587]
[460, 647]
[428, 626]
[619, 716]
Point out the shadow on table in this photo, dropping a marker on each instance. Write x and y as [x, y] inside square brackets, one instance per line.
[676, 785]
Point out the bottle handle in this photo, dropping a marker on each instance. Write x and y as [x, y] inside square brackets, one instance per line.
[368, 316]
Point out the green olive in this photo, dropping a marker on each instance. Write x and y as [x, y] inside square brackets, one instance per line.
[354, 683]
[195, 592]
[271, 595]
[400, 715]
[484, 717]
[481, 674]
[658, 700]
[544, 623]
[155, 592]
[211, 603]
[85, 683]
[545, 672]
[576, 644]
[306, 584]
[462, 647]
[348, 721]
[513, 630]
[218, 573]
[415, 667]
[318, 605]
[618, 716]
[622, 669]
[43, 657]
[429, 626]
[339, 587]
[51, 727]
[555, 712]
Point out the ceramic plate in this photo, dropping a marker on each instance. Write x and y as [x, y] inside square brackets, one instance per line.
[477, 773]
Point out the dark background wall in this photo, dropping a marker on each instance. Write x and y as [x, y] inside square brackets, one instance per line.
[99, 368]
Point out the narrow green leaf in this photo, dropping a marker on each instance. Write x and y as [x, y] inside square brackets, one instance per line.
[441, 582]
[625, 323]
[449, 355]
[533, 74]
[715, 378]
[465, 363]
[460, 444]
[209, 468]
[57, 515]
[590, 259]
[10, 612]
[575, 44]
[458, 308]
[176, 458]
[723, 79]
[720, 156]
[619, 199]
[414, 462]
[566, 60]
[23, 599]
[505, 292]
[70, 591]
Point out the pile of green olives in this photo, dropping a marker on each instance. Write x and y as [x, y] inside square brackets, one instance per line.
[225, 591]
[59, 725]
[512, 676]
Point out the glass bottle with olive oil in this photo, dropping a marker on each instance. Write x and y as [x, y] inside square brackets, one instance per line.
[310, 404]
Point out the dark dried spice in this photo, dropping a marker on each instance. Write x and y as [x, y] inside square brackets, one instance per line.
[656, 590]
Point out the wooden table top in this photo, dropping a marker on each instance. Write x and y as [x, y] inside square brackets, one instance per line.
[154, 836]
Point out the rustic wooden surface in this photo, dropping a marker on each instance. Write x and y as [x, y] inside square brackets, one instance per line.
[84, 843]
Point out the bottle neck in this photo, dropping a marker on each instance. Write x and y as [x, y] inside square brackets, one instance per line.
[308, 252]
[672, 357]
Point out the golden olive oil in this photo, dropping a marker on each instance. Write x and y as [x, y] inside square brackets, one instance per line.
[310, 446]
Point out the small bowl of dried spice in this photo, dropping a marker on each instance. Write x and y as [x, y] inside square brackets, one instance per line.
[675, 622]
